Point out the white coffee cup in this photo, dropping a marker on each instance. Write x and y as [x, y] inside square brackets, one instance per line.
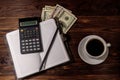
[82, 48]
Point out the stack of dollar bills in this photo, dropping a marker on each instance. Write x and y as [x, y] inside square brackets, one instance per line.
[65, 16]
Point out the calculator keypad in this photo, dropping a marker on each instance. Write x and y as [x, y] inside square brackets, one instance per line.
[30, 40]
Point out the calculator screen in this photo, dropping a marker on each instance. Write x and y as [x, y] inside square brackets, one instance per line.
[28, 23]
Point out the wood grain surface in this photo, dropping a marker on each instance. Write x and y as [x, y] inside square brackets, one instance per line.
[94, 17]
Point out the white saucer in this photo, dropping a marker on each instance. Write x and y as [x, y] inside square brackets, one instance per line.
[89, 60]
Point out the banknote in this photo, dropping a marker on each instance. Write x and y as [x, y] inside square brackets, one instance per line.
[46, 12]
[58, 10]
[49, 7]
[65, 17]
[42, 14]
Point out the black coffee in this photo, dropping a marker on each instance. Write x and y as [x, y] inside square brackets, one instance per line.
[95, 47]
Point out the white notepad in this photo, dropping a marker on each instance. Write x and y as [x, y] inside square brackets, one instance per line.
[27, 64]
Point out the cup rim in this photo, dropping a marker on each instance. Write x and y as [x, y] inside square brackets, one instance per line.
[92, 37]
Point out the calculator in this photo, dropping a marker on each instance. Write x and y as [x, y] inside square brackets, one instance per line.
[30, 35]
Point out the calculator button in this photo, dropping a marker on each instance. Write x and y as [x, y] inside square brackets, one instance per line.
[31, 49]
[33, 42]
[34, 45]
[33, 39]
[23, 47]
[23, 50]
[36, 28]
[30, 46]
[26, 43]
[26, 46]
[28, 31]
[38, 48]
[26, 40]
[23, 44]
[22, 41]
[34, 48]
[37, 33]
[21, 30]
[27, 50]
[37, 42]
[37, 39]
[22, 36]
[30, 40]
[30, 43]
[38, 45]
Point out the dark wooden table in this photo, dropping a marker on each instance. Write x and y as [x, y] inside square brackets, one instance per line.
[94, 17]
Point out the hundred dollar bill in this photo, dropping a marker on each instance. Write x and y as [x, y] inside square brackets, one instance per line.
[42, 14]
[65, 17]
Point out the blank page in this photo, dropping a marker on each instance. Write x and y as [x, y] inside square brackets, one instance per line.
[25, 64]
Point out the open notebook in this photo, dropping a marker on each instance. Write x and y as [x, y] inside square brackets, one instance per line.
[27, 64]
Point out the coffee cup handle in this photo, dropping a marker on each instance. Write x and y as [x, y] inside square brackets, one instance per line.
[108, 45]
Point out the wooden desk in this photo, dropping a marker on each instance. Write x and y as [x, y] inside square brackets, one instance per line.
[107, 27]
